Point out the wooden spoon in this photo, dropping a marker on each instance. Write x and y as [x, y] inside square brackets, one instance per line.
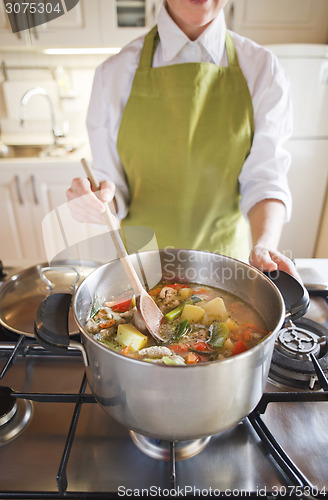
[148, 309]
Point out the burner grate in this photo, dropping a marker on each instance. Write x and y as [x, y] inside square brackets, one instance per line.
[292, 365]
[299, 343]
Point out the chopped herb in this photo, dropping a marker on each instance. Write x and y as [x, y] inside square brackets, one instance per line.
[218, 333]
[96, 306]
[194, 299]
[181, 329]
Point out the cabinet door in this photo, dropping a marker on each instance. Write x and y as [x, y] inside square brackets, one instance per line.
[124, 20]
[78, 27]
[16, 229]
[59, 235]
[278, 21]
[46, 185]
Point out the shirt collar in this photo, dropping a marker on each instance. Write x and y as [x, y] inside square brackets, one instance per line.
[173, 39]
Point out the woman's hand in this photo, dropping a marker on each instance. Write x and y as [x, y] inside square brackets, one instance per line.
[266, 219]
[271, 260]
[86, 205]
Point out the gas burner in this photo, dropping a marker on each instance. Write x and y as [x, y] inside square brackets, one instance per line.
[160, 450]
[298, 342]
[291, 365]
[14, 415]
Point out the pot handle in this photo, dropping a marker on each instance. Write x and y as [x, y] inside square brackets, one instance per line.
[49, 283]
[51, 325]
[295, 295]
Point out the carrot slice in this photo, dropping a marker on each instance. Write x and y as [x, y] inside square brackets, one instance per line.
[239, 348]
[192, 358]
[107, 324]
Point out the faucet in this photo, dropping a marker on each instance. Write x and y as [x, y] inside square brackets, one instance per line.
[40, 91]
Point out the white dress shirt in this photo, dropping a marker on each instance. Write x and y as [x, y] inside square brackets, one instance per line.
[264, 173]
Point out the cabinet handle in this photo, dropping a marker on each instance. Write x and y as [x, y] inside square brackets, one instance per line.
[18, 190]
[34, 191]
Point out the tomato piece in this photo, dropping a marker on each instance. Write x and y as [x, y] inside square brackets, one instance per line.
[122, 305]
[239, 348]
[179, 348]
[201, 346]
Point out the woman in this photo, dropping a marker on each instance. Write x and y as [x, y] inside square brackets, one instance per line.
[185, 127]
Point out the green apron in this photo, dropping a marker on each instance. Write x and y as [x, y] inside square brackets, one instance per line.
[185, 133]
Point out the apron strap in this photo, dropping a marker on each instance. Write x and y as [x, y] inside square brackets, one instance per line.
[231, 51]
[148, 50]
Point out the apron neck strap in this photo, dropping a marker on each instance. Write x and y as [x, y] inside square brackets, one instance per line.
[152, 39]
[148, 50]
[231, 51]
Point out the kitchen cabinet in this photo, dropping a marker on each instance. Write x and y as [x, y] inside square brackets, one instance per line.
[91, 23]
[125, 20]
[268, 21]
[36, 223]
[79, 27]
[28, 192]
[12, 209]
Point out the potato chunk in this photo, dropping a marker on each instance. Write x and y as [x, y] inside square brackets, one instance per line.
[195, 314]
[185, 293]
[215, 310]
[127, 334]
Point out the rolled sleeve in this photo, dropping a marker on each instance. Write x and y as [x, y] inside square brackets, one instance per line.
[264, 173]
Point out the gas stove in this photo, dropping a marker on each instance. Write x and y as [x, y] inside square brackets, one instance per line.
[57, 442]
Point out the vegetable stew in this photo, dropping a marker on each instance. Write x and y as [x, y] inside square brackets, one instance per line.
[201, 324]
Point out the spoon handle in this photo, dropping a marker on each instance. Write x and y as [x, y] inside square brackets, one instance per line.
[113, 226]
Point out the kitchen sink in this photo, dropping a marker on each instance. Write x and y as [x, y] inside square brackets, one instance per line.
[36, 151]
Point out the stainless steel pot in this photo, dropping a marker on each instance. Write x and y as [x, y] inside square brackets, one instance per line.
[173, 402]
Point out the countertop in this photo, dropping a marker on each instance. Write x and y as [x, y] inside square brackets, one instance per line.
[81, 150]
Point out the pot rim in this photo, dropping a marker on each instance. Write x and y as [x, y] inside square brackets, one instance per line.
[230, 359]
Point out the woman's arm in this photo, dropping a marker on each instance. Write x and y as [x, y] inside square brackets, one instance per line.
[266, 220]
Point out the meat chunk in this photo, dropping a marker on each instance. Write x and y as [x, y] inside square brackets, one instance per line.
[156, 351]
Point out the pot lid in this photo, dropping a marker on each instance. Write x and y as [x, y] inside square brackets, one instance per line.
[21, 295]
